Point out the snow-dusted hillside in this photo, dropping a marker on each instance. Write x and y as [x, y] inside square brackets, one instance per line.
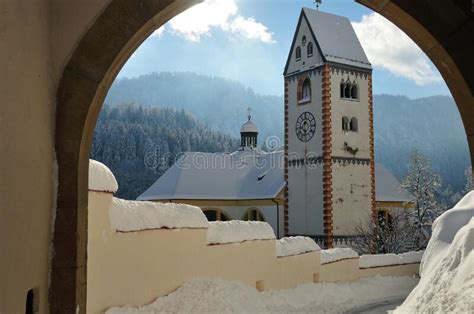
[447, 267]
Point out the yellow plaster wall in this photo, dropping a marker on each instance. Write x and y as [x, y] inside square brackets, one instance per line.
[136, 267]
[348, 270]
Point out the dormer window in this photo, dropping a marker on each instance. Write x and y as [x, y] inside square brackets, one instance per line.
[303, 41]
[304, 91]
[298, 53]
[310, 49]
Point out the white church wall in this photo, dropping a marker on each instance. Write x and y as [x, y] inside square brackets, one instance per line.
[350, 108]
[351, 196]
[296, 148]
[306, 200]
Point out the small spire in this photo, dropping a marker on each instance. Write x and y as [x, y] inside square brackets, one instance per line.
[317, 2]
[249, 115]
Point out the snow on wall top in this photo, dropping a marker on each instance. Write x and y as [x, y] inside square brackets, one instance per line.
[446, 284]
[377, 260]
[295, 246]
[101, 178]
[233, 231]
[135, 216]
[337, 254]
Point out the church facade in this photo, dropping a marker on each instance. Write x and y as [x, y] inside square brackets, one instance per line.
[323, 182]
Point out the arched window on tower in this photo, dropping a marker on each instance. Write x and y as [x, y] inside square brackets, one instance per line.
[303, 41]
[345, 123]
[298, 53]
[353, 125]
[354, 91]
[347, 90]
[310, 49]
[305, 91]
[343, 88]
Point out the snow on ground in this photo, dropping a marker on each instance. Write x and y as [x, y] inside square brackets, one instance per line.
[233, 231]
[138, 215]
[374, 260]
[337, 254]
[447, 267]
[295, 245]
[101, 178]
[219, 296]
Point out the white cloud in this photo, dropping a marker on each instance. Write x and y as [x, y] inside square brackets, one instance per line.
[249, 28]
[158, 32]
[199, 20]
[390, 48]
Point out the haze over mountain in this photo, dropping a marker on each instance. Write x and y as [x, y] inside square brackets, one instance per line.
[432, 124]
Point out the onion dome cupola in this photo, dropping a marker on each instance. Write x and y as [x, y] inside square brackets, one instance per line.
[248, 133]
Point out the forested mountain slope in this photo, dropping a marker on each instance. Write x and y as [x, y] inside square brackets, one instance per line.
[431, 124]
[139, 144]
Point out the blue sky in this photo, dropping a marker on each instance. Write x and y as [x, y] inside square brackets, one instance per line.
[248, 41]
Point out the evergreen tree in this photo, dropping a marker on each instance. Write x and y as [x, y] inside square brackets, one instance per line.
[139, 144]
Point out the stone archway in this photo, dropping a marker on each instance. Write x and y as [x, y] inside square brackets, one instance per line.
[99, 56]
[441, 28]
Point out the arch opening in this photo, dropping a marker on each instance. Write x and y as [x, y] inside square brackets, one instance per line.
[86, 79]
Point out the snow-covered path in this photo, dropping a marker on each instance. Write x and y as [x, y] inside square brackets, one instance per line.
[219, 296]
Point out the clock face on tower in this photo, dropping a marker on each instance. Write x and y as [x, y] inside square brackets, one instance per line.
[305, 126]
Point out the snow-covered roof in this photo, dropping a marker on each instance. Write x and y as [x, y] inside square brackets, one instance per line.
[249, 126]
[101, 178]
[243, 175]
[387, 187]
[335, 38]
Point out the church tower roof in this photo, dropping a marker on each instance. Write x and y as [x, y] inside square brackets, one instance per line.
[335, 39]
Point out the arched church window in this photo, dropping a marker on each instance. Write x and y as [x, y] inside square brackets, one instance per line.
[304, 90]
[343, 88]
[347, 90]
[303, 41]
[310, 49]
[345, 123]
[353, 125]
[354, 91]
[216, 214]
[253, 214]
[298, 53]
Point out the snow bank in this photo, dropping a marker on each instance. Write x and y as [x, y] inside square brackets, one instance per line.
[337, 254]
[295, 245]
[447, 276]
[219, 296]
[101, 178]
[376, 260]
[221, 232]
[137, 215]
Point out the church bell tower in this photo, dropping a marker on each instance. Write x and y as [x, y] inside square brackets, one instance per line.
[329, 152]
